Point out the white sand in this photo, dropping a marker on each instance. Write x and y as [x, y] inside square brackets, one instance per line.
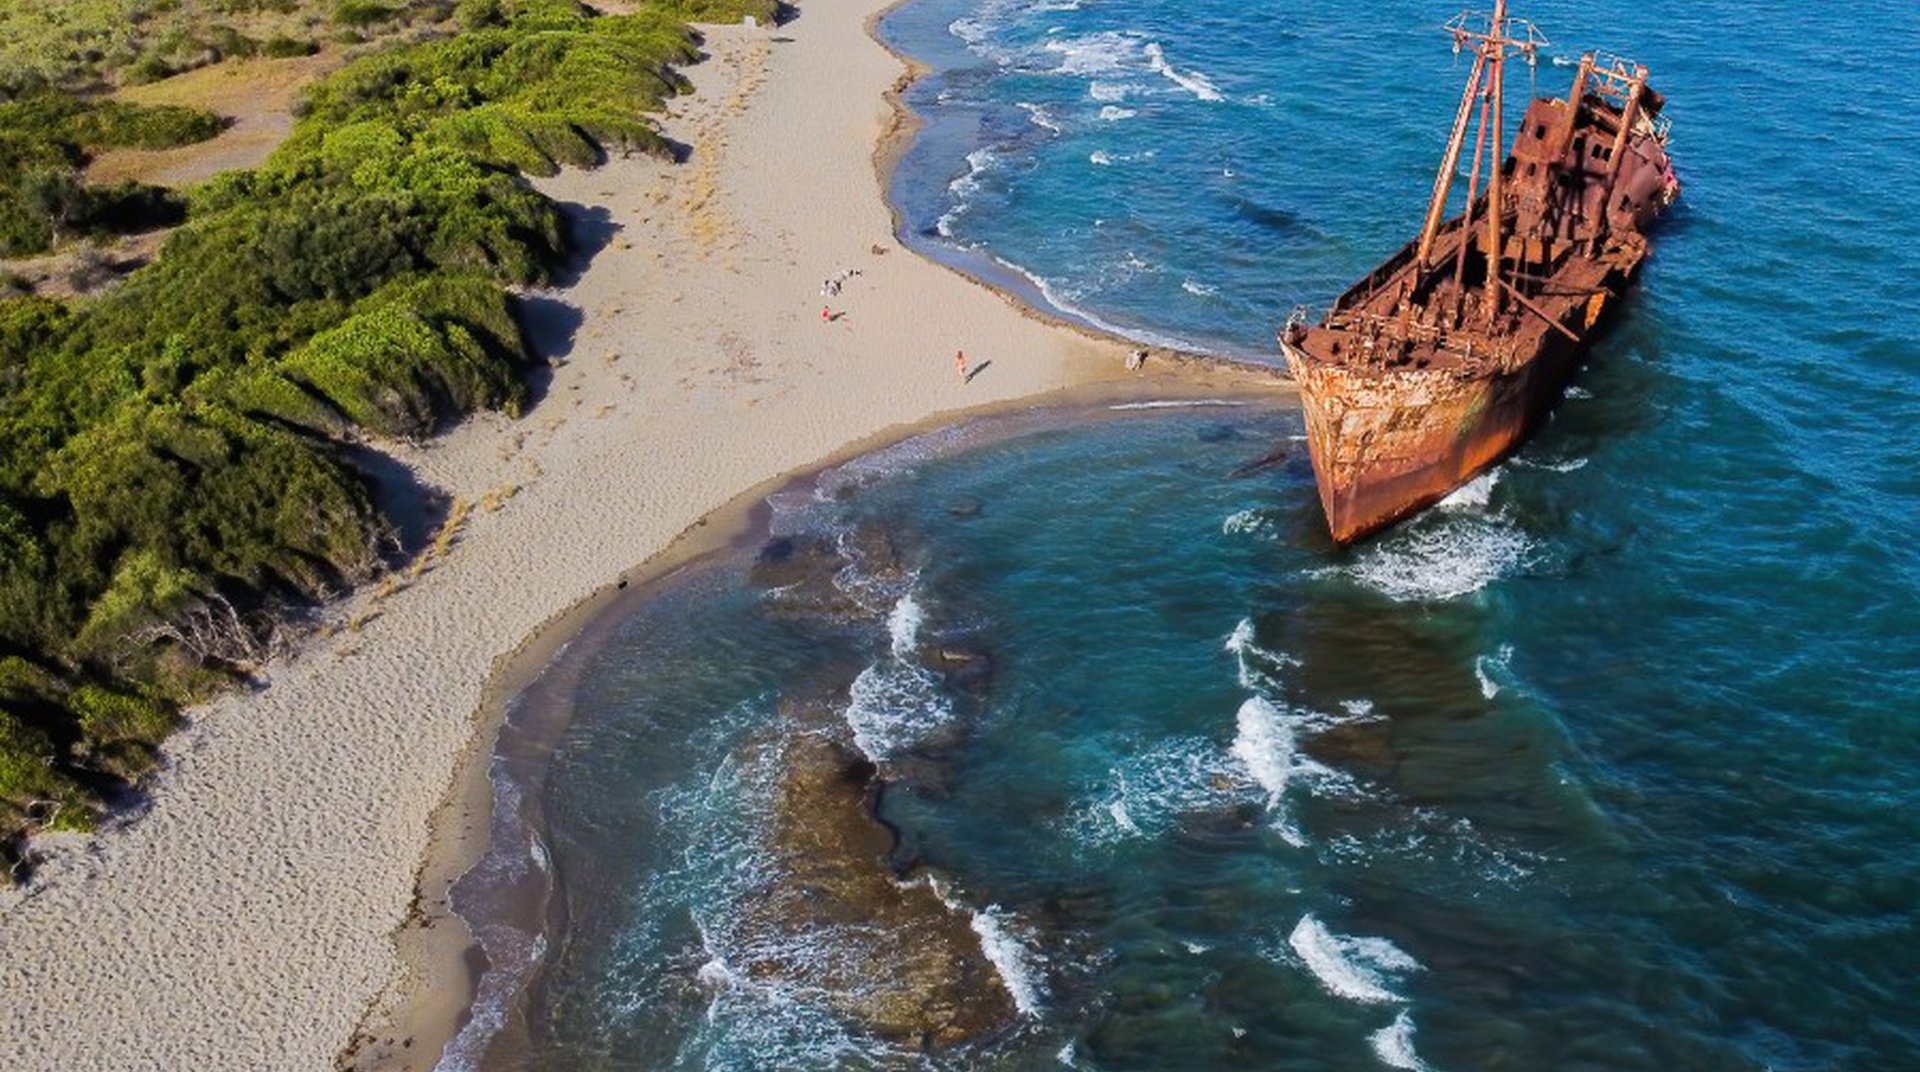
[246, 920]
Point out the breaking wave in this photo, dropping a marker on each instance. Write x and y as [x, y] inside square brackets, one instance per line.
[1490, 668]
[1264, 744]
[1356, 968]
[1010, 958]
[1192, 81]
[1444, 559]
[1393, 1044]
[965, 188]
[896, 704]
[1150, 791]
[1254, 665]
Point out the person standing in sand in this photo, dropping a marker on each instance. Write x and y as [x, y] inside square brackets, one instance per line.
[960, 364]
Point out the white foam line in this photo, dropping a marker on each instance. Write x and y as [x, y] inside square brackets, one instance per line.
[1054, 299]
[1010, 959]
[1192, 81]
[1178, 403]
[1352, 968]
[1393, 1044]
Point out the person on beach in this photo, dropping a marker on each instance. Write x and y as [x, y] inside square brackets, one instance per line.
[826, 314]
[960, 364]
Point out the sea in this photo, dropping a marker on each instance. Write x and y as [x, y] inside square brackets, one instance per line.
[1611, 761]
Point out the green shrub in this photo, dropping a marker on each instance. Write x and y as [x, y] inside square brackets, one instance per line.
[281, 47]
[360, 13]
[170, 460]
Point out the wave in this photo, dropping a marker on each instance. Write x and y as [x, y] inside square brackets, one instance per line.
[963, 189]
[1486, 666]
[752, 1020]
[1474, 494]
[1432, 561]
[1040, 116]
[1564, 465]
[1198, 290]
[1178, 403]
[1192, 81]
[1255, 665]
[1010, 958]
[513, 853]
[1109, 92]
[1393, 1044]
[903, 627]
[896, 705]
[1448, 845]
[1355, 968]
[1113, 113]
[1264, 743]
[1051, 293]
[1253, 521]
[1105, 52]
[1101, 157]
[1150, 791]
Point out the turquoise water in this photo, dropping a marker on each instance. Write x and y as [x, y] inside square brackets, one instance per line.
[1607, 763]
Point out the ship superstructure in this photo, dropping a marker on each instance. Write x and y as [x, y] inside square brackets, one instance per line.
[1444, 358]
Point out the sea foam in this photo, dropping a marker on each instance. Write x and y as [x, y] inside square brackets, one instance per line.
[1355, 968]
[1149, 791]
[1192, 81]
[1393, 1044]
[896, 704]
[1455, 556]
[1010, 958]
[1264, 744]
[1486, 667]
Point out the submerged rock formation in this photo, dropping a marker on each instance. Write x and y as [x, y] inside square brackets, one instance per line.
[836, 923]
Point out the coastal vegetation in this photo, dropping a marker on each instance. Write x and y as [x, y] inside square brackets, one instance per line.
[174, 453]
[85, 44]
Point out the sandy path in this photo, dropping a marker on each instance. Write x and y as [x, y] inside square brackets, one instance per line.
[257, 97]
[246, 920]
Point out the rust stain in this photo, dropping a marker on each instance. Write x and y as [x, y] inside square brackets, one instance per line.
[1443, 359]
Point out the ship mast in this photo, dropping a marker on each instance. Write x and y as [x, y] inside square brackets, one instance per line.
[1491, 37]
[1496, 208]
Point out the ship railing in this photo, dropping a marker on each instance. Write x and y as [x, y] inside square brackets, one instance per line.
[1374, 327]
[1613, 76]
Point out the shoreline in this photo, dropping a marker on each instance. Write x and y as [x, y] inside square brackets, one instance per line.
[273, 884]
[437, 943]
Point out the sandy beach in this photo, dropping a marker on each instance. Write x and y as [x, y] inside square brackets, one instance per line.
[245, 916]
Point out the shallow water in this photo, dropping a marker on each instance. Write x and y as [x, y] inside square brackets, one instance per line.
[1608, 762]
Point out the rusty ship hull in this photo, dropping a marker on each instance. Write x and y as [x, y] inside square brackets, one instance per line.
[1446, 358]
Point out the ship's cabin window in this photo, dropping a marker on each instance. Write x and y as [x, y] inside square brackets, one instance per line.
[1540, 132]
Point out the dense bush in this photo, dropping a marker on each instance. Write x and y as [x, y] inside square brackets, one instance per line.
[87, 44]
[171, 453]
[46, 137]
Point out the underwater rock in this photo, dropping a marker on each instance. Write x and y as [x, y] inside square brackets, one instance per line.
[967, 672]
[965, 508]
[855, 576]
[833, 920]
[1351, 744]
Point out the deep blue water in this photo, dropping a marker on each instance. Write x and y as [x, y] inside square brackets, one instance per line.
[1608, 763]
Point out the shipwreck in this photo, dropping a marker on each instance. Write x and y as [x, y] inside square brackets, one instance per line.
[1445, 358]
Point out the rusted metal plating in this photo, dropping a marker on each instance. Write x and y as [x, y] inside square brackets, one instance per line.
[1424, 373]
